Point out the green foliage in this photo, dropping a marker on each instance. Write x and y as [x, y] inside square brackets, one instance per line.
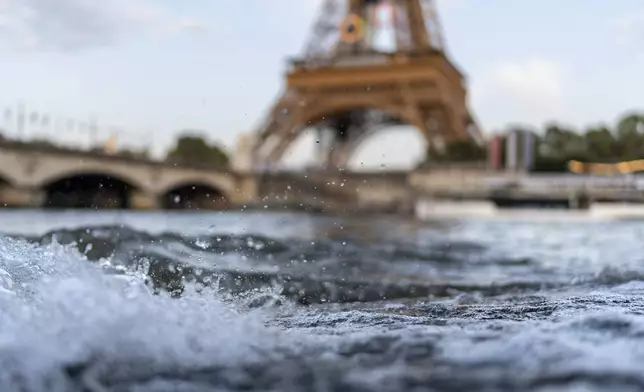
[458, 151]
[192, 149]
[557, 144]
[596, 144]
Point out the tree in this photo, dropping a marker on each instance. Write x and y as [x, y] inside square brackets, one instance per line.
[560, 142]
[600, 143]
[192, 149]
[596, 144]
[457, 151]
[629, 135]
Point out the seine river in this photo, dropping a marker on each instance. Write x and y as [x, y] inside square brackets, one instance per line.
[116, 301]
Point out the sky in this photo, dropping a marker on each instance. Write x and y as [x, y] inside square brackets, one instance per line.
[145, 69]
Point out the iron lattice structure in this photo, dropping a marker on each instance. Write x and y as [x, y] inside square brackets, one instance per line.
[347, 89]
[325, 41]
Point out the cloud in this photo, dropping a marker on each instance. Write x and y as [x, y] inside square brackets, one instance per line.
[533, 90]
[537, 81]
[190, 23]
[69, 25]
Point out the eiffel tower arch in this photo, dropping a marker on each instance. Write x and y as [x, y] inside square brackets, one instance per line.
[347, 89]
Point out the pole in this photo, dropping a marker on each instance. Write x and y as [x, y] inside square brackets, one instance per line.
[20, 121]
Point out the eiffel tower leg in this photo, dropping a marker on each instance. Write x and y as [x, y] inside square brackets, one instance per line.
[446, 125]
[435, 129]
[344, 147]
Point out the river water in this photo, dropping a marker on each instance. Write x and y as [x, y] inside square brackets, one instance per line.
[116, 301]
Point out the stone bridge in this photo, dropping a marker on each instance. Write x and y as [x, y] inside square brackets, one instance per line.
[30, 178]
[73, 179]
[76, 179]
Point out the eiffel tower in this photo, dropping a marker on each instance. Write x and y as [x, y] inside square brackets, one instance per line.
[346, 89]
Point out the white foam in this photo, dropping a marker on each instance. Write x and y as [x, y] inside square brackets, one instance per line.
[62, 309]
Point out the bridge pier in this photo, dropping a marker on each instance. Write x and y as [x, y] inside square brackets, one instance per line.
[21, 197]
[246, 190]
[140, 200]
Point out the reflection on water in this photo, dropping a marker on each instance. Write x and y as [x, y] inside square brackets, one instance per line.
[136, 301]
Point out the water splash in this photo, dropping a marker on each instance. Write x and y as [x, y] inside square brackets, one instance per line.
[69, 323]
[83, 310]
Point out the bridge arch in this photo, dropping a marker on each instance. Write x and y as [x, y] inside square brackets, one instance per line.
[5, 180]
[401, 112]
[88, 189]
[376, 149]
[224, 183]
[47, 175]
[6, 177]
[314, 114]
[194, 195]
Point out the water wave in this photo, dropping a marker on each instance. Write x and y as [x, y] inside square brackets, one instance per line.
[326, 270]
[334, 269]
[115, 309]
